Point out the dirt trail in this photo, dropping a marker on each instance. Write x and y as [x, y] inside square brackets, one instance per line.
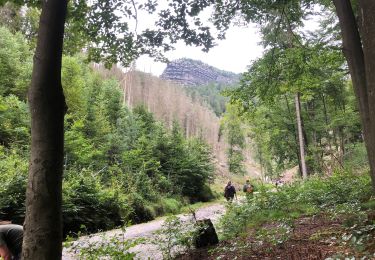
[145, 230]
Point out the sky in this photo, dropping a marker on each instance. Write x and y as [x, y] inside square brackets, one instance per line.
[233, 54]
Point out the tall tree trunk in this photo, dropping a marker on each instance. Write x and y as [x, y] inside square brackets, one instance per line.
[306, 144]
[300, 136]
[295, 135]
[360, 55]
[327, 123]
[342, 142]
[43, 221]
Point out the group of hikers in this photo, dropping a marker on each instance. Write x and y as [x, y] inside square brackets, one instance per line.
[230, 190]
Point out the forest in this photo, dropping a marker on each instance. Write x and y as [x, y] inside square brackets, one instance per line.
[87, 146]
[119, 164]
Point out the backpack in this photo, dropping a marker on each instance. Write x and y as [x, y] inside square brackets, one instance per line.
[248, 188]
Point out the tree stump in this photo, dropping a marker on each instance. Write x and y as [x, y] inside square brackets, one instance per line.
[206, 234]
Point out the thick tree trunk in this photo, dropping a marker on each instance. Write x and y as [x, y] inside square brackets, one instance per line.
[360, 55]
[43, 222]
[368, 41]
[300, 136]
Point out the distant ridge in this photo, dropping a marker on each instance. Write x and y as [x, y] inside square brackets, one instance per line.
[189, 72]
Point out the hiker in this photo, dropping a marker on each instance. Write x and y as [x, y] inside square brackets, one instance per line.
[11, 236]
[230, 191]
[248, 188]
[279, 183]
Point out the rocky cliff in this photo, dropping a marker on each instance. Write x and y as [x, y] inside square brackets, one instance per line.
[188, 72]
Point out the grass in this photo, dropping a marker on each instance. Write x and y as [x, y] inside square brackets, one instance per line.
[342, 193]
[323, 217]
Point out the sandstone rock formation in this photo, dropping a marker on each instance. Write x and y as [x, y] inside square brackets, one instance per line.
[188, 72]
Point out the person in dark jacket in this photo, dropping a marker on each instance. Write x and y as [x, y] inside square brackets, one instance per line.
[230, 191]
[11, 241]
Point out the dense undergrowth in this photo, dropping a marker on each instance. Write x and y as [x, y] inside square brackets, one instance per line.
[270, 216]
[342, 190]
[120, 164]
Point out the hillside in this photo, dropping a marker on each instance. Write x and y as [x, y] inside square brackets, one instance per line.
[155, 94]
[193, 115]
[189, 72]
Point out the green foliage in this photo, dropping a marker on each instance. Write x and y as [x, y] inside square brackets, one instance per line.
[329, 112]
[235, 132]
[275, 235]
[20, 19]
[301, 198]
[15, 74]
[73, 83]
[175, 161]
[198, 169]
[119, 165]
[176, 236]
[86, 201]
[355, 158]
[134, 156]
[108, 30]
[30, 24]
[13, 168]
[114, 247]
[9, 16]
[211, 94]
[171, 205]
[359, 226]
[139, 210]
[14, 121]
[79, 148]
[15, 65]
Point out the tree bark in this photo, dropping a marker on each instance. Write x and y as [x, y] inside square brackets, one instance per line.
[295, 134]
[43, 221]
[300, 136]
[309, 168]
[368, 41]
[326, 121]
[360, 55]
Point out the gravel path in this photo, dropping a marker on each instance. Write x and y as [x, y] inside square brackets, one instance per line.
[145, 230]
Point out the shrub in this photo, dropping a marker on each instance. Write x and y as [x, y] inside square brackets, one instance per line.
[115, 247]
[175, 236]
[301, 198]
[205, 194]
[86, 202]
[139, 210]
[355, 158]
[14, 122]
[13, 168]
[171, 205]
